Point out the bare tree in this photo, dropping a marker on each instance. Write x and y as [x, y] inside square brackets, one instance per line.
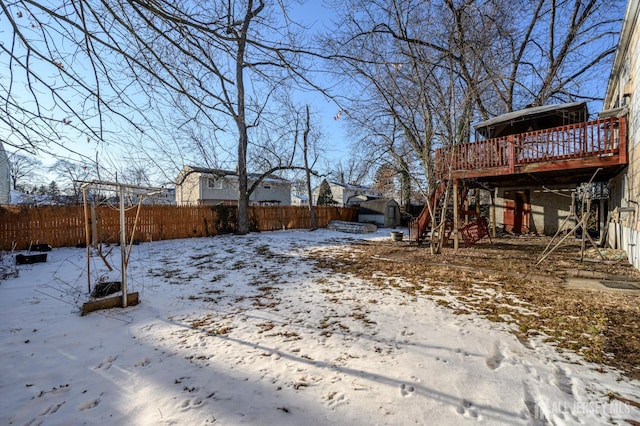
[136, 174]
[71, 174]
[523, 52]
[394, 77]
[354, 169]
[385, 180]
[24, 170]
[560, 52]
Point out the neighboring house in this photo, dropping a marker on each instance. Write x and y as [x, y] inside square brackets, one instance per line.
[299, 200]
[383, 212]
[16, 197]
[5, 178]
[204, 186]
[623, 99]
[166, 197]
[348, 194]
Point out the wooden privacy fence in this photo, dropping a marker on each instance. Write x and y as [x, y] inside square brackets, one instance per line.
[64, 226]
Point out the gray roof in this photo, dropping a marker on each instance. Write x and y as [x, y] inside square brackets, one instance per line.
[527, 113]
[352, 186]
[377, 206]
[222, 173]
[614, 112]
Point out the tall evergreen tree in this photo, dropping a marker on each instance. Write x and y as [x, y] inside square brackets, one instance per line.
[325, 196]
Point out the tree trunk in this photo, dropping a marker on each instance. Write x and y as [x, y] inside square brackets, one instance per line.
[405, 185]
[305, 139]
[241, 123]
[243, 193]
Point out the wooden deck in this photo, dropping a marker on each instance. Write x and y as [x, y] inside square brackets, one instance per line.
[567, 154]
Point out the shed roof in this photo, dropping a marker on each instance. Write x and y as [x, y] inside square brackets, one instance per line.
[352, 186]
[377, 206]
[534, 118]
[187, 170]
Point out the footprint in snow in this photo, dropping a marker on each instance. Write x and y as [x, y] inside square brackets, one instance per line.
[336, 398]
[533, 411]
[406, 390]
[52, 409]
[563, 381]
[106, 363]
[143, 362]
[461, 352]
[89, 404]
[192, 403]
[466, 408]
[495, 358]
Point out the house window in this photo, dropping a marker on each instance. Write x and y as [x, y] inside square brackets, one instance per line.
[214, 183]
[266, 186]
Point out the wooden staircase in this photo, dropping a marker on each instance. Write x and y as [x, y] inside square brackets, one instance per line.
[420, 228]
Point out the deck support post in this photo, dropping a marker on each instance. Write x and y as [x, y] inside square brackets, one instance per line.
[455, 215]
[493, 194]
[123, 247]
[466, 209]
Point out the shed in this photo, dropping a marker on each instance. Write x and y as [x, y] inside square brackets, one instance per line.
[383, 212]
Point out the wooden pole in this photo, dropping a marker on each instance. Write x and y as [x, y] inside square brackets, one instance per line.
[95, 236]
[455, 215]
[87, 237]
[123, 248]
[493, 195]
[135, 223]
[466, 209]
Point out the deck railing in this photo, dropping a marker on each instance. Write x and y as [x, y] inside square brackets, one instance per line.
[599, 138]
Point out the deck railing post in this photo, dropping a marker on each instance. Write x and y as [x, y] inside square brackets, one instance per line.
[511, 153]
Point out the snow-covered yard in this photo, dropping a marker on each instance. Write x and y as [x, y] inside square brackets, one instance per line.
[250, 330]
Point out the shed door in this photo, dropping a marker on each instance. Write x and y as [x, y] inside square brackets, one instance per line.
[390, 220]
[517, 211]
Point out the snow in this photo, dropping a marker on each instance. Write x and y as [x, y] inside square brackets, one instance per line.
[249, 330]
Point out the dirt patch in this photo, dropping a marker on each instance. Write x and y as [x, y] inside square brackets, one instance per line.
[501, 282]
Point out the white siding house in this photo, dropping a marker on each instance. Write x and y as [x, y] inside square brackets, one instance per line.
[5, 179]
[623, 97]
[204, 186]
[348, 194]
[299, 200]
